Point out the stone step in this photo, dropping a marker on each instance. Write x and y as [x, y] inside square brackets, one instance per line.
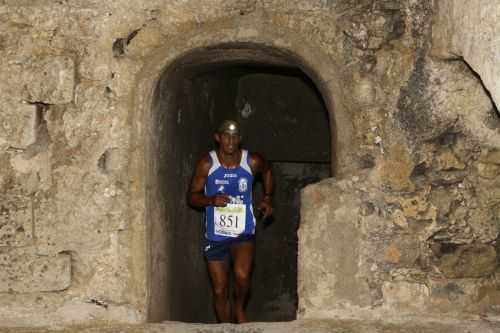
[309, 326]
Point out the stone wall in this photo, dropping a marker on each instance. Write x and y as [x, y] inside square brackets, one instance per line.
[410, 222]
[469, 30]
[416, 229]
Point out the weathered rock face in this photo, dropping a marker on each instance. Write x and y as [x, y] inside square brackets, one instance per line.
[410, 222]
[469, 262]
[469, 29]
[416, 229]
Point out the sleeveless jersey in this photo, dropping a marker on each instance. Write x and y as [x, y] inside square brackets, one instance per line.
[237, 218]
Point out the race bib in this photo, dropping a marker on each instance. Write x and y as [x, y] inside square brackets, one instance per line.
[230, 220]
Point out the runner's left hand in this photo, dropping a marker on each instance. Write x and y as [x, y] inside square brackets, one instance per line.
[266, 207]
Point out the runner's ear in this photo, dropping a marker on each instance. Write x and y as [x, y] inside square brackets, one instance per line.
[217, 137]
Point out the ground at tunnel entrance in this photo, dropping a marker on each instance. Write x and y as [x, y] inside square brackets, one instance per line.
[310, 326]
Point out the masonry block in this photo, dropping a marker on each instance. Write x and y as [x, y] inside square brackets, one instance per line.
[16, 220]
[24, 272]
[18, 126]
[49, 80]
[406, 294]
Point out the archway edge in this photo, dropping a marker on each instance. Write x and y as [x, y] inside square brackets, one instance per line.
[324, 69]
[307, 54]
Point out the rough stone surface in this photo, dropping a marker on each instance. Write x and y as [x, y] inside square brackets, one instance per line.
[410, 222]
[490, 156]
[470, 261]
[27, 273]
[49, 80]
[405, 294]
[413, 325]
[16, 220]
[18, 126]
[470, 29]
[342, 282]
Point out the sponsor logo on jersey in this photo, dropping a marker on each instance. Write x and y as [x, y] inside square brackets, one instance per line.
[236, 199]
[221, 181]
[220, 189]
[243, 184]
[230, 175]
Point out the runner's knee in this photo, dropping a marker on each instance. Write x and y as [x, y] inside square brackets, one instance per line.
[242, 275]
[220, 291]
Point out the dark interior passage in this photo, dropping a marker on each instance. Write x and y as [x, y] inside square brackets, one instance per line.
[283, 117]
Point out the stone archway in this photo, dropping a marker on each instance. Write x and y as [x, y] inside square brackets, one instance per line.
[231, 46]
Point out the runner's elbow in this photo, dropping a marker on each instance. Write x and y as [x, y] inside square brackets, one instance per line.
[196, 199]
[192, 199]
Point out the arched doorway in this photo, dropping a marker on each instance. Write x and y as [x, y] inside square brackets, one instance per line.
[284, 117]
[238, 45]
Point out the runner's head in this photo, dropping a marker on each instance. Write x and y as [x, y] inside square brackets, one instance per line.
[230, 127]
[228, 136]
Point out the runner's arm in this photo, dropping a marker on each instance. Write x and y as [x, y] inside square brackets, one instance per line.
[197, 197]
[259, 165]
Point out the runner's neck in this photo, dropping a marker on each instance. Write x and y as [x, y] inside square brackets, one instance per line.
[229, 160]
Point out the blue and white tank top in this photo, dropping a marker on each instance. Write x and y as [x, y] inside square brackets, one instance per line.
[237, 218]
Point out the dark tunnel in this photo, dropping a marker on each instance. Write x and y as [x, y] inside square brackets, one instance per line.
[283, 117]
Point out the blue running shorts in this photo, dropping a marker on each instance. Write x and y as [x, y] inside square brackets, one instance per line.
[219, 251]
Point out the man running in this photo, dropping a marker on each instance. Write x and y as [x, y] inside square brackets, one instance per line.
[222, 184]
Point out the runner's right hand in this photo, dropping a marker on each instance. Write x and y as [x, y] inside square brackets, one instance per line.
[220, 200]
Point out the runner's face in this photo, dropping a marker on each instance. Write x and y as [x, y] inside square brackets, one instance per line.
[229, 143]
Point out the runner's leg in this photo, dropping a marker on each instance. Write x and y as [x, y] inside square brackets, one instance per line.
[218, 271]
[242, 253]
